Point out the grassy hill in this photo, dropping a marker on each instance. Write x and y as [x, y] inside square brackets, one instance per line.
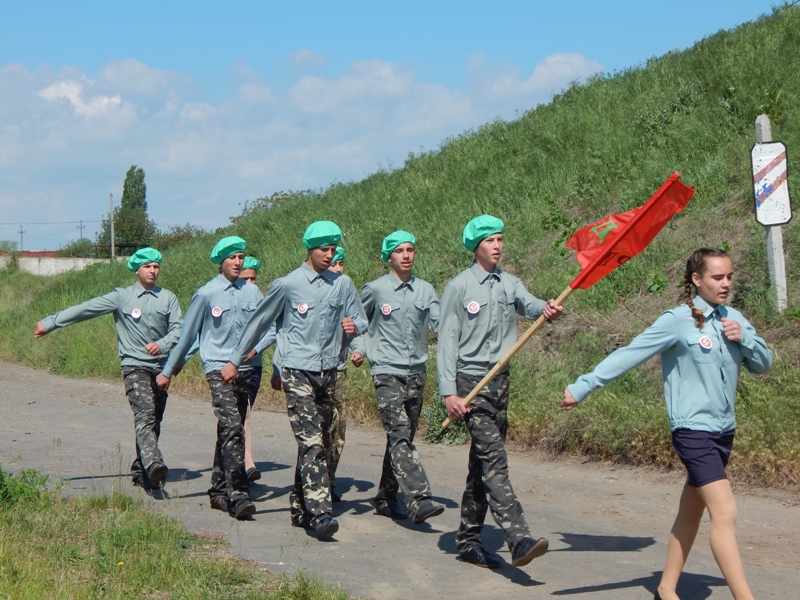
[598, 148]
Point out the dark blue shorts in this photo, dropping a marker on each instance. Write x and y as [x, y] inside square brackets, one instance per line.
[254, 385]
[704, 454]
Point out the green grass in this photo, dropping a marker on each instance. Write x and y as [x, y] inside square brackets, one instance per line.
[111, 547]
[598, 148]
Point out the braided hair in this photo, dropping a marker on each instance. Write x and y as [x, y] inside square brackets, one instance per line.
[697, 264]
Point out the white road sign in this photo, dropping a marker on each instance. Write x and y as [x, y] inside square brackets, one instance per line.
[770, 184]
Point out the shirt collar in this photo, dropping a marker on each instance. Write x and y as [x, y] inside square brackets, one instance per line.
[140, 291]
[397, 283]
[708, 311]
[312, 275]
[482, 275]
[225, 284]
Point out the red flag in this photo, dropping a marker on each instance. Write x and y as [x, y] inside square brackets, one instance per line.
[605, 245]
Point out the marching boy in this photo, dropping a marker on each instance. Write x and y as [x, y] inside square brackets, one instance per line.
[312, 308]
[401, 309]
[478, 325]
[148, 323]
[215, 318]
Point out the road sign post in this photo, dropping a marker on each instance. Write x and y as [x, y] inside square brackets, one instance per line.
[773, 205]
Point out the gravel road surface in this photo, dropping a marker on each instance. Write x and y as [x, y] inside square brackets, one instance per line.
[607, 525]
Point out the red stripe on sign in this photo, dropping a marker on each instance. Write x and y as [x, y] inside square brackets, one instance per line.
[775, 162]
[765, 192]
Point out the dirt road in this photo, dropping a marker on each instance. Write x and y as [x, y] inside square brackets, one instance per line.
[607, 526]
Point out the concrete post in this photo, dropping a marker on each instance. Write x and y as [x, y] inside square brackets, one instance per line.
[774, 233]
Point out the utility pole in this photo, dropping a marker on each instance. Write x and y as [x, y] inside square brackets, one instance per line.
[20, 238]
[81, 228]
[111, 218]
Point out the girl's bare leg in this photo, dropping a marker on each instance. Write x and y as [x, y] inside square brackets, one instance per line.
[681, 539]
[718, 497]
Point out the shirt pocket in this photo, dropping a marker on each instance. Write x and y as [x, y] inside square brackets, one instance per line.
[336, 306]
[163, 316]
[248, 308]
[161, 321]
[507, 301]
[701, 347]
[423, 306]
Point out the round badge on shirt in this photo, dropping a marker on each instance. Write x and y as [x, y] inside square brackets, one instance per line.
[136, 313]
[302, 308]
[386, 309]
[706, 342]
[473, 308]
[216, 311]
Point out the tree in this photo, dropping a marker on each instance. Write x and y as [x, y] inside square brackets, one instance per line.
[131, 223]
[8, 246]
[81, 248]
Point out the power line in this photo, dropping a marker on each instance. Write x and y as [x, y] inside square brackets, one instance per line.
[50, 223]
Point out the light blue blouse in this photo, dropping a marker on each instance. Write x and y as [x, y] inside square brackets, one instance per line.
[700, 367]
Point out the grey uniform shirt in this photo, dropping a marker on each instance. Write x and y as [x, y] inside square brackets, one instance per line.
[307, 308]
[215, 318]
[140, 316]
[400, 314]
[478, 322]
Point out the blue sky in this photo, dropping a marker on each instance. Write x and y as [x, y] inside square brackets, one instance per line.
[224, 102]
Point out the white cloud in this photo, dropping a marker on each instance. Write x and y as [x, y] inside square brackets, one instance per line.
[72, 91]
[67, 138]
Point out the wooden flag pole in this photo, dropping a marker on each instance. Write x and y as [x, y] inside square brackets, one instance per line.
[508, 355]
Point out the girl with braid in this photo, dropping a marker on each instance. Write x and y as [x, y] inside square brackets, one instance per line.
[703, 344]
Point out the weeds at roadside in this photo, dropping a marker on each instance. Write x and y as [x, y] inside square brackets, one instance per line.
[110, 546]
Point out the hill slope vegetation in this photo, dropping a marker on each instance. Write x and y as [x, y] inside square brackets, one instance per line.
[597, 148]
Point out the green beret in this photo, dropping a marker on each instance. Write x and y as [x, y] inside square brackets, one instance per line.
[339, 254]
[393, 240]
[479, 229]
[251, 263]
[227, 246]
[321, 233]
[142, 257]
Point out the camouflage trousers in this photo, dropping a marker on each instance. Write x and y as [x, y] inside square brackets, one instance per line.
[400, 404]
[333, 451]
[309, 403]
[488, 483]
[229, 401]
[148, 404]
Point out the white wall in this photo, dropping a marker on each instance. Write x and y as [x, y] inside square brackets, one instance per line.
[38, 265]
